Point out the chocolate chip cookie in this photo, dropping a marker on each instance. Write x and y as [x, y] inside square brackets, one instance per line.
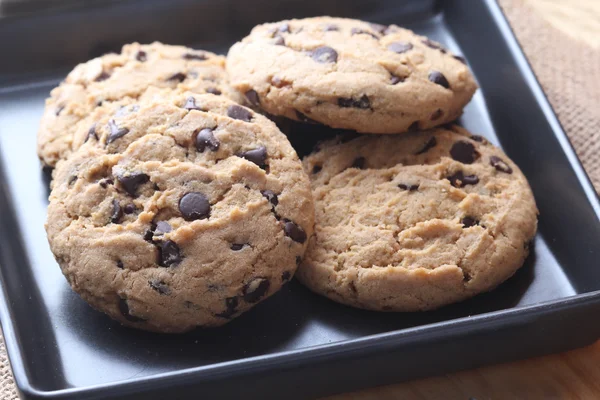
[115, 77]
[350, 74]
[417, 221]
[180, 213]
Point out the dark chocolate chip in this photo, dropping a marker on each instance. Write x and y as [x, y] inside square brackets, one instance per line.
[286, 276]
[381, 29]
[205, 138]
[180, 76]
[115, 132]
[324, 54]
[410, 188]
[91, 133]
[285, 27]
[193, 206]
[362, 103]
[190, 104]
[162, 227]
[105, 182]
[149, 234]
[394, 79]
[358, 31]
[117, 212]
[252, 97]
[258, 156]
[478, 138]
[316, 169]
[330, 27]
[255, 289]
[271, 196]
[460, 58]
[433, 45]
[58, 110]
[237, 246]
[239, 112]
[430, 144]
[120, 264]
[359, 163]
[279, 41]
[500, 165]
[298, 260]
[436, 114]
[214, 91]
[129, 208]
[459, 179]
[439, 78]
[124, 309]
[132, 181]
[169, 254]
[464, 152]
[303, 118]
[414, 126]
[400, 47]
[102, 77]
[72, 180]
[141, 56]
[194, 56]
[469, 221]
[294, 231]
[159, 286]
[231, 304]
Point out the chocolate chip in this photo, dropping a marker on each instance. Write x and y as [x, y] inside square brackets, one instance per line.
[117, 212]
[433, 45]
[324, 54]
[358, 31]
[460, 58]
[439, 78]
[271, 196]
[120, 264]
[231, 304]
[478, 138]
[58, 110]
[162, 227]
[141, 56]
[400, 47]
[436, 114]
[464, 152]
[193, 206]
[414, 126]
[258, 156]
[252, 97]
[362, 103]
[105, 182]
[132, 181]
[255, 289]
[124, 309]
[214, 91]
[102, 77]
[72, 180]
[180, 76]
[430, 144]
[316, 169]
[381, 29]
[500, 165]
[238, 112]
[115, 132]
[91, 133]
[285, 27]
[194, 56]
[394, 79]
[237, 246]
[459, 179]
[169, 255]
[279, 41]
[359, 163]
[205, 138]
[190, 104]
[159, 286]
[129, 208]
[303, 118]
[286, 276]
[469, 221]
[294, 231]
[410, 188]
[149, 234]
[330, 27]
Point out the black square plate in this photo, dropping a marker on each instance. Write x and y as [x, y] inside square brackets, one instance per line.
[297, 344]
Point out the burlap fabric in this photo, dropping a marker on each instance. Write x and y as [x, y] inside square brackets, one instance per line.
[568, 69]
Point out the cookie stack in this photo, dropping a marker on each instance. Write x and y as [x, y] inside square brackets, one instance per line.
[174, 205]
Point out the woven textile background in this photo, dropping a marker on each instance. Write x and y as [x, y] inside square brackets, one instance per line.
[563, 48]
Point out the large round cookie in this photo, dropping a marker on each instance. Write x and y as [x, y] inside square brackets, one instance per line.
[350, 74]
[414, 222]
[126, 75]
[180, 213]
